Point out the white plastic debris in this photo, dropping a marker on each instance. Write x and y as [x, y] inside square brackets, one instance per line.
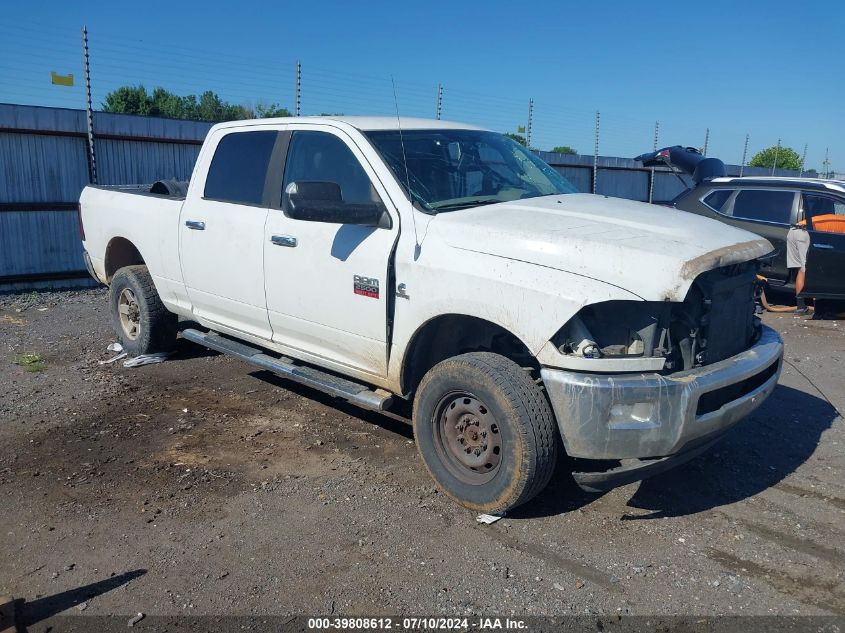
[487, 519]
[113, 358]
[146, 359]
[114, 347]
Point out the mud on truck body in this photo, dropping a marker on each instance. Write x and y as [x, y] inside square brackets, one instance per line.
[448, 266]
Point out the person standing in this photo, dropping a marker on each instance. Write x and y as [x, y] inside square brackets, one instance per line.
[797, 245]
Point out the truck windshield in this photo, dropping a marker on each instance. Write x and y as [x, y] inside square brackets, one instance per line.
[456, 169]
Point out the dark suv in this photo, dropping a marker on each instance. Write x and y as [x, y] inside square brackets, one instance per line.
[769, 207]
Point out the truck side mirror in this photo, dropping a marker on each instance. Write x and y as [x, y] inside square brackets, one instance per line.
[318, 201]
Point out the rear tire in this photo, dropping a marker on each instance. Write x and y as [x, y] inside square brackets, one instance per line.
[485, 431]
[142, 323]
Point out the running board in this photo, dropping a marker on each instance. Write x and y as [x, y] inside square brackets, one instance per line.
[353, 392]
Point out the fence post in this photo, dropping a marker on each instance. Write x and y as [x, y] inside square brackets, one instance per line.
[439, 110]
[775, 164]
[706, 140]
[530, 117]
[298, 100]
[596, 153]
[803, 158]
[89, 112]
[744, 154]
[651, 174]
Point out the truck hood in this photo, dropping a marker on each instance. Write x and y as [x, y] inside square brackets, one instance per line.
[653, 252]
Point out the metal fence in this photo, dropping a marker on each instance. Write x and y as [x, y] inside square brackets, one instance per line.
[44, 166]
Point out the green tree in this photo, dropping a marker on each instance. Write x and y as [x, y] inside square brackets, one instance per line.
[787, 158]
[208, 107]
[564, 149]
[268, 111]
[169, 105]
[518, 138]
[129, 100]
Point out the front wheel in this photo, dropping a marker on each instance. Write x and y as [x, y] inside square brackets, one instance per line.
[485, 431]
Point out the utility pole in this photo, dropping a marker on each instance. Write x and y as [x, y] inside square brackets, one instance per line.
[803, 157]
[439, 110]
[530, 117]
[596, 152]
[298, 106]
[89, 112]
[826, 163]
[777, 152]
[706, 140]
[744, 155]
[651, 179]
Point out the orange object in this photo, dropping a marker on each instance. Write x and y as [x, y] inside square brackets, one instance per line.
[829, 223]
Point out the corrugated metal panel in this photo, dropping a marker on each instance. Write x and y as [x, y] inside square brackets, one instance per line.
[37, 242]
[41, 118]
[40, 168]
[52, 284]
[622, 184]
[666, 187]
[131, 162]
[128, 125]
[580, 177]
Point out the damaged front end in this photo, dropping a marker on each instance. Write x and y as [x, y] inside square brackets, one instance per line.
[715, 321]
[649, 384]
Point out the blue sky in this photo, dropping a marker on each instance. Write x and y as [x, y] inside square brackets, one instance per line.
[769, 69]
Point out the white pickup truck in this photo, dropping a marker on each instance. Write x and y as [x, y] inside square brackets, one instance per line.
[378, 258]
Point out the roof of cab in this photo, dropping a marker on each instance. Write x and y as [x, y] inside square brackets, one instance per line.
[363, 123]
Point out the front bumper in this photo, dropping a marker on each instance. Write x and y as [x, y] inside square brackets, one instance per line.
[650, 416]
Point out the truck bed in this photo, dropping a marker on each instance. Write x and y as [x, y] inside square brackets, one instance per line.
[115, 215]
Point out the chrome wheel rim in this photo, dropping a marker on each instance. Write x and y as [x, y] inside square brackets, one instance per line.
[130, 314]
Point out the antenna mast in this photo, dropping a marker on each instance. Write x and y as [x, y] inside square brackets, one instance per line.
[405, 164]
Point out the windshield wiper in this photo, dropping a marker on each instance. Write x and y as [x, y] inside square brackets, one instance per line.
[454, 206]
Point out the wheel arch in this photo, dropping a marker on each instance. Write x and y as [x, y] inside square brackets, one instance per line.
[121, 252]
[448, 335]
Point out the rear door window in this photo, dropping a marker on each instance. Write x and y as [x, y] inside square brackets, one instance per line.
[238, 170]
[764, 205]
[716, 199]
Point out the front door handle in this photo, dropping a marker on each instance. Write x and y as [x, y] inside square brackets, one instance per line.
[826, 247]
[196, 225]
[283, 240]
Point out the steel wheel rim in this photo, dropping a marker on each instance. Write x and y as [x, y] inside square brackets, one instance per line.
[468, 439]
[130, 314]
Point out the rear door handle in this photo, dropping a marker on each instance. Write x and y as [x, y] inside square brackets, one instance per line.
[196, 225]
[283, 240]
[823, 246]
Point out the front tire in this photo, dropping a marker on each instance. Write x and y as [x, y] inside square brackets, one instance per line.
[485, 431]
[142, 323]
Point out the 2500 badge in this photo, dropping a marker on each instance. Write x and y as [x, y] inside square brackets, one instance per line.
[365, 286]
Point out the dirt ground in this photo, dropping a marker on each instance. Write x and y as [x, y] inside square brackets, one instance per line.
[201, 486]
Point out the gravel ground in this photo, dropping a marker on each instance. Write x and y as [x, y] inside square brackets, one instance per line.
[200, 486]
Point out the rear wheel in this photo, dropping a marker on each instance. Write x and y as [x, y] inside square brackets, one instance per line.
[142, 323]
[485, 431]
